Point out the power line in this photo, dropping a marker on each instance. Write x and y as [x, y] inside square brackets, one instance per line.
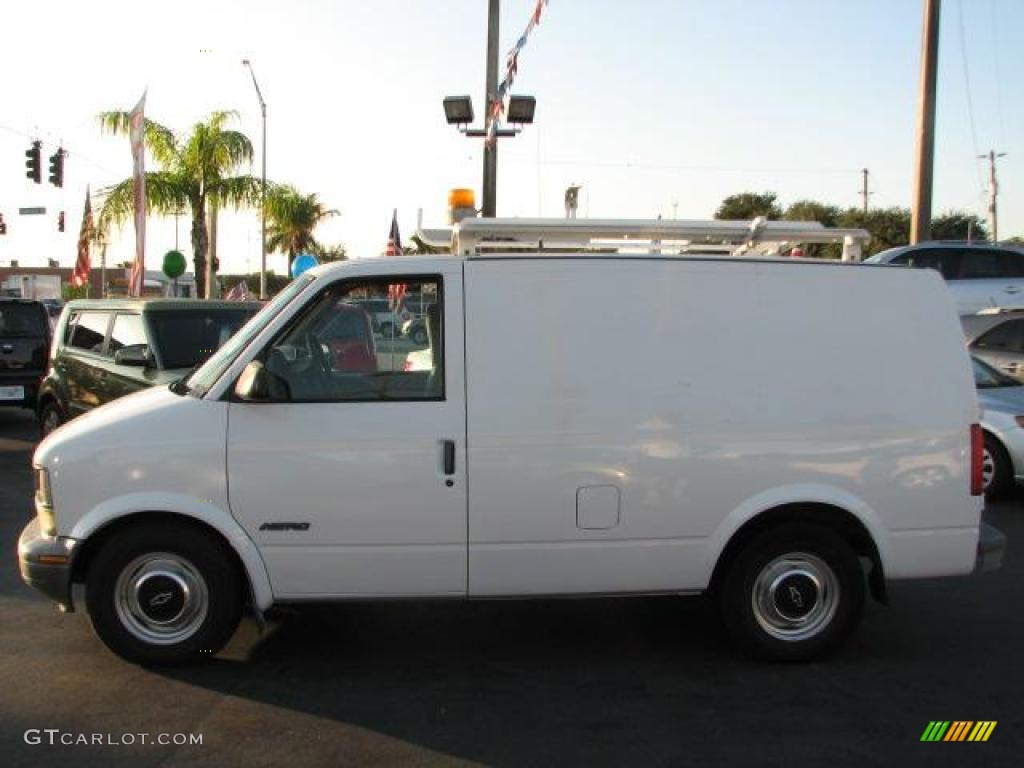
[699, 168]
[68, 151]
[967, 89]
[998, 77]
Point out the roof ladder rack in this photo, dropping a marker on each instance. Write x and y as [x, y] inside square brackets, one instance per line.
[477, 236]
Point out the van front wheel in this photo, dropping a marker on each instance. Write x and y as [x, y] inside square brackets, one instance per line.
[792, 593]
[163, 594]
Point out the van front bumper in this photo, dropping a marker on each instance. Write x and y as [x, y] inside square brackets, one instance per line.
[991, 546]
[46, 563]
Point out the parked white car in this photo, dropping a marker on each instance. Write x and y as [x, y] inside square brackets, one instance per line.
[542, 451]
[980, 275]
[1002, 417]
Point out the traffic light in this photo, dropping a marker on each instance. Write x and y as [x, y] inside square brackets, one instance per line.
[57, 168]
[60, 221]
[3, 225]
[32, 161]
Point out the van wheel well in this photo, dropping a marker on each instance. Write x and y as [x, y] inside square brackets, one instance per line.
[89, 547]
[837, 519]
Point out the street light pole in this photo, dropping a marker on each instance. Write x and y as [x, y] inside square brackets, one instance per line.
[263, 193]
[490, 182]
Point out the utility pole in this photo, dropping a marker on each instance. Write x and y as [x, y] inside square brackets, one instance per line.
[490, 202]
[864, 189]
[921, 214]
[993, 192]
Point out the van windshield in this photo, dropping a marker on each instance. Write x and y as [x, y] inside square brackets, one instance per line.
[204, 378]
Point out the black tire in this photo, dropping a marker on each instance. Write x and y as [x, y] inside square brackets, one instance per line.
[810, 602]
[997, 461]
[50, 418]
[204, 564]
[419, 335]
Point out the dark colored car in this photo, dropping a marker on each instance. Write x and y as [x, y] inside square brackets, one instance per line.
[104, 349]
[24, 344]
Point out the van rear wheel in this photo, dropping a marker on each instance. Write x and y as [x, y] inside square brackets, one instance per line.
[792, 593]
[996, 469]
[163, 594]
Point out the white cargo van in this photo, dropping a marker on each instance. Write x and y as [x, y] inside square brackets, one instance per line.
[776, 432]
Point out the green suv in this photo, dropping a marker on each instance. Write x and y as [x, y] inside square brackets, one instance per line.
[104, 349]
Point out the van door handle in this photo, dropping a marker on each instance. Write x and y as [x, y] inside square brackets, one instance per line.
[448, 448]
[1011, 289]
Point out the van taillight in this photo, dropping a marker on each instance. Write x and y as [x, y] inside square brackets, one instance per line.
[977, 458]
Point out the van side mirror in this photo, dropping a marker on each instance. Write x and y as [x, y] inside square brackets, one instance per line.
[133, 354]
[252, 385]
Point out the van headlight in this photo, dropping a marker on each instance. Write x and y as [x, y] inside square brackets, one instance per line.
[44, 502]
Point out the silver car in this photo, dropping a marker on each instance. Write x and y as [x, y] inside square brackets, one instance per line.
[1002, 419]
[997, 337]
[979, 275]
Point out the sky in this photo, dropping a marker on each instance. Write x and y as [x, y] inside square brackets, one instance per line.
[657, 107]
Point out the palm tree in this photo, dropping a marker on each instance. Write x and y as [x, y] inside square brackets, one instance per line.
[196, 172]
[291, 219]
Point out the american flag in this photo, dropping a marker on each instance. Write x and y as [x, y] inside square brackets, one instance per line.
[396, 292]
[83, 264]
[239, 293]
[136, 125]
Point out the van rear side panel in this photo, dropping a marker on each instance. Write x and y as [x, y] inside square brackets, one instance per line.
[626, 415]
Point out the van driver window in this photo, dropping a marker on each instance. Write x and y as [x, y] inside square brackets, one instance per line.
[362, 341]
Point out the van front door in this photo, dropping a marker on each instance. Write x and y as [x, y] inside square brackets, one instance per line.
[350, 473]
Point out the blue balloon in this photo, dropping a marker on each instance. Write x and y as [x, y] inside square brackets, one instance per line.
[303, 262]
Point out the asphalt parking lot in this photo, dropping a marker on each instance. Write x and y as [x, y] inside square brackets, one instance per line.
[646, 681]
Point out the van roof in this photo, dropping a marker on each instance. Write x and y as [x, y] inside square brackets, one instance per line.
[161, 304]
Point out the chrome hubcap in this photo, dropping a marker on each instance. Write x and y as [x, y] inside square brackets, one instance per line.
[795, 596]
[988, 469]
[161, 598]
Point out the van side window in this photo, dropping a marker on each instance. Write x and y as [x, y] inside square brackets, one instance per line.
[127, 332]
[89, 331]
[334, 352]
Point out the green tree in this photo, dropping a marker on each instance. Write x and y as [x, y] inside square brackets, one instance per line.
[196, 171]
[888, 227]
[69, 292]
[328, 253]
[291, 219]
[749, 205]
[812, 210]
[957, 225]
